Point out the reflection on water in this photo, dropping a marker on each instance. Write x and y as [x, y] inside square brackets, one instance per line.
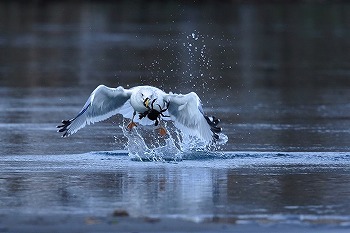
[276, 74]
[235, 190]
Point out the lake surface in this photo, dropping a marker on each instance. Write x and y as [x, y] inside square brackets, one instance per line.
[277, 75]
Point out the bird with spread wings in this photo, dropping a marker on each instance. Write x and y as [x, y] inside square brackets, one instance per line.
[151, 104]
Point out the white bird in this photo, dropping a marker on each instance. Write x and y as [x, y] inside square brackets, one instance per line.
[151, 104]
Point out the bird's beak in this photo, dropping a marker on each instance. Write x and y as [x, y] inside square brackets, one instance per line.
[146, 102]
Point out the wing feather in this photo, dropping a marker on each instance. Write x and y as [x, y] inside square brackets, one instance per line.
[186, 111]
[103, 103]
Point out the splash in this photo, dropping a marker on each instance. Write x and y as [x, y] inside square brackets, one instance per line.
[191, 67]
[145, 144]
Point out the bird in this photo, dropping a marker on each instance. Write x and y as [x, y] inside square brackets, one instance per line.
[152, 105]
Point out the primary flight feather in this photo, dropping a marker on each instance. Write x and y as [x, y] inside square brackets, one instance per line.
[151, 105]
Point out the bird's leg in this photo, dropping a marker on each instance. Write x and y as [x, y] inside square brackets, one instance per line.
[132, 124]
[161, 129]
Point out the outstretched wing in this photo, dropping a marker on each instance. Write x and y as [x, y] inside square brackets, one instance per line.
[103, 103]
[187, 113]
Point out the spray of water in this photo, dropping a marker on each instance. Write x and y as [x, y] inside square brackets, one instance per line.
[145, 144]
[190, 66]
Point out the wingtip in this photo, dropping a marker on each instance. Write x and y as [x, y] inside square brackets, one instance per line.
[64, 128]
[213, 122]
[216, 137]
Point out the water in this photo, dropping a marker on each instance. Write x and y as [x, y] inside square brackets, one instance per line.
[276, 75]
